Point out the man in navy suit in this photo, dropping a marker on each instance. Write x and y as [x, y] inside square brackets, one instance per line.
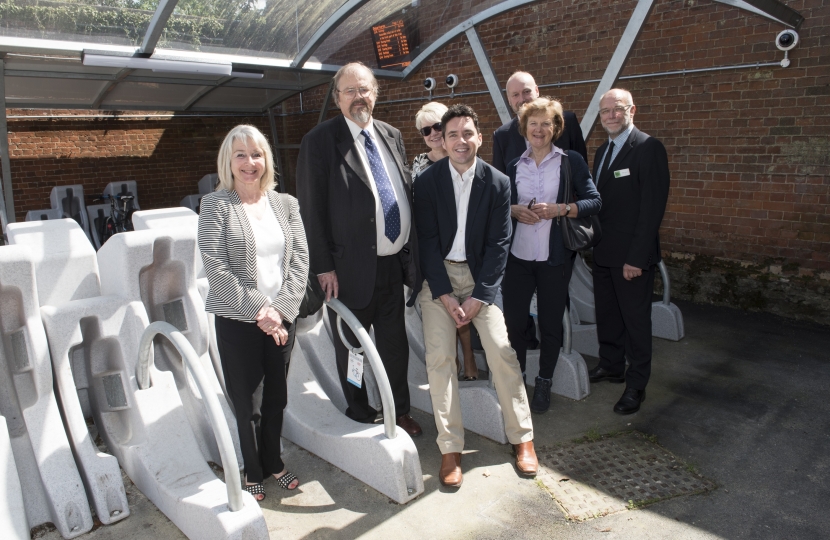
[355, 201]
[462, 215]
[632, 172]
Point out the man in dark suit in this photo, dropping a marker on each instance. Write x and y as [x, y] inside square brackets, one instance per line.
[462, 213]
[508, 144]
[355, 200]
[632, 172]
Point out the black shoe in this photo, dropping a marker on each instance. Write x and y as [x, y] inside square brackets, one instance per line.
[630, 401]
[541, 396]
[599, 374]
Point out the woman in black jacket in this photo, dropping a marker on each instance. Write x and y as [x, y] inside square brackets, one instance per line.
[538, 260]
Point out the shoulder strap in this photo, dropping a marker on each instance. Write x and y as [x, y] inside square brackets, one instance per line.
[565, 176]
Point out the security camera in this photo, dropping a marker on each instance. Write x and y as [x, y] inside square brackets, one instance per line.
[429, 84]
[452, 80]
[786, 40]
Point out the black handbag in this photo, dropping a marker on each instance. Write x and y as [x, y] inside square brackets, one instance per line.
[578, 233]
[313, 298]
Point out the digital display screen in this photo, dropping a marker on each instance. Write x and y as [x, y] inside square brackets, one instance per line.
[392, 45]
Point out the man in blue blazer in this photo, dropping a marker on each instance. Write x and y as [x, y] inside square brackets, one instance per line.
[462, 216]
[632, 172]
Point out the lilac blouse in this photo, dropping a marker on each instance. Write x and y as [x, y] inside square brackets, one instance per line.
[532, 242]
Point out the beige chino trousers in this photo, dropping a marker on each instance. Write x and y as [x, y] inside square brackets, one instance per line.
[441, 350]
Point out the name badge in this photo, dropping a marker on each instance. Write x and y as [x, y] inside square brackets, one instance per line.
[621, 173]
[354, 373]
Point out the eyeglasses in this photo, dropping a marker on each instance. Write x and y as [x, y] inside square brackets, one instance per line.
[619, 109]
[363, 91]
[425, 131]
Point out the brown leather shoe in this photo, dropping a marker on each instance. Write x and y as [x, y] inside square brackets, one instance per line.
[526, 460]
[408, 424]
[450, 473]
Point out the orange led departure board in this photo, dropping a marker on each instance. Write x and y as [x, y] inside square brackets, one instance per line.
[391, 44]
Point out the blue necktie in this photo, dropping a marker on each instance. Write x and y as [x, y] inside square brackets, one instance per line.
[391, 212]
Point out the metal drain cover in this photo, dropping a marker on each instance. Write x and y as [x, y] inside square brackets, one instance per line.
[598, 478]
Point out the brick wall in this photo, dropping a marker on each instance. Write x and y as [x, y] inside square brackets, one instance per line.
[749, 148]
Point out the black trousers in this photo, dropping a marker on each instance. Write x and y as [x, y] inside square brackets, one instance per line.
[250, 357]
[385, 313]
[623, 311]
[521, 279]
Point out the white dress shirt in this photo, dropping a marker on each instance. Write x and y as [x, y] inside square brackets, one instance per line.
[385, 246]
[270, 248]
[461, 186]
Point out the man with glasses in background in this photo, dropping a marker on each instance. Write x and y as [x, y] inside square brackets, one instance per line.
[631, 170]
[355, 198]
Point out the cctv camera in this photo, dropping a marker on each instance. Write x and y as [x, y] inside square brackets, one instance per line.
[429, 84]
[786, 40]
[452, 80]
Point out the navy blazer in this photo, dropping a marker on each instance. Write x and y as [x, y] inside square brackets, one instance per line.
[588, 202]
[488, 230]
[508, 144]
[634, 202]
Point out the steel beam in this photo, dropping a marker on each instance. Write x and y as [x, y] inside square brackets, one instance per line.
[120, 76]
[325, 109]
[771, 9]
[635, 24]
[489, 76]
[342, 13]
[156, 27]
[436, 45]
[199, 95]
[6, 194]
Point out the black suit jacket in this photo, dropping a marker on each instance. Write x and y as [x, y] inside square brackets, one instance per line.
[338, 209]
[509, 145]
[488, 230]
[632, 204]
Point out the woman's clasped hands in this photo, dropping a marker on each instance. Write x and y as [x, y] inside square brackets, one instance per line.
[269, 321]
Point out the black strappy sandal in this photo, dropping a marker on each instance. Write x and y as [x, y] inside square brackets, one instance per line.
[256, 489]
[285, 480]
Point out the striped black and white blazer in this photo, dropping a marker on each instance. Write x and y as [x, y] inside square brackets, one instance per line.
[229, 255]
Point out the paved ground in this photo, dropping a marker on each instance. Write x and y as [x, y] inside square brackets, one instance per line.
[741, 400]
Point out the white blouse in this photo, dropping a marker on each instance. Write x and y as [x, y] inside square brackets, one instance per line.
[270, 248]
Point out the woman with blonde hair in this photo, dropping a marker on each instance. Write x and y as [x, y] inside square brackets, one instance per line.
[255, 256]
[428, 124]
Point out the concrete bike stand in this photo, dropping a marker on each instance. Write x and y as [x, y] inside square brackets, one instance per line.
[480, 407]
[381, 456]
[146, 428]
[70, 201]
[13, 525]
[155, 267]
[570, 378]
[666, 319]
[43, 215]
[51, 484]
[125, 187]
[583, 335]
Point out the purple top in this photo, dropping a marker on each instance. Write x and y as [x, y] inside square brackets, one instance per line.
[532, 242]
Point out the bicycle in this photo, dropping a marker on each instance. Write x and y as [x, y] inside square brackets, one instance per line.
[120, 218]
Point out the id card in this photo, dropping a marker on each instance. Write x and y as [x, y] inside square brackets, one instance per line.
[621, 173]
[354, 373]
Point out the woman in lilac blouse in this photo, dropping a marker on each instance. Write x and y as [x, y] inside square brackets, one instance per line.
[538, 260]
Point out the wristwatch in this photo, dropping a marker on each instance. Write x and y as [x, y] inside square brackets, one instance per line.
[567, 209]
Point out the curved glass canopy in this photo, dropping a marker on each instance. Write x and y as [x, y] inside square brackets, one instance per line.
[224, 55]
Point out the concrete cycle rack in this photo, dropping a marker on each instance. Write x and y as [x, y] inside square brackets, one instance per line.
[46, 473]
[570, 377]
[666, 318]
[13, 523]
[480, 407]
[381, 456]
[156, 267]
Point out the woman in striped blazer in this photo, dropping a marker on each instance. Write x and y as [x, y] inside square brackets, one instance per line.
[256, 259]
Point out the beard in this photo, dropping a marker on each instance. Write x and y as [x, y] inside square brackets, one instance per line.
[363, 114]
